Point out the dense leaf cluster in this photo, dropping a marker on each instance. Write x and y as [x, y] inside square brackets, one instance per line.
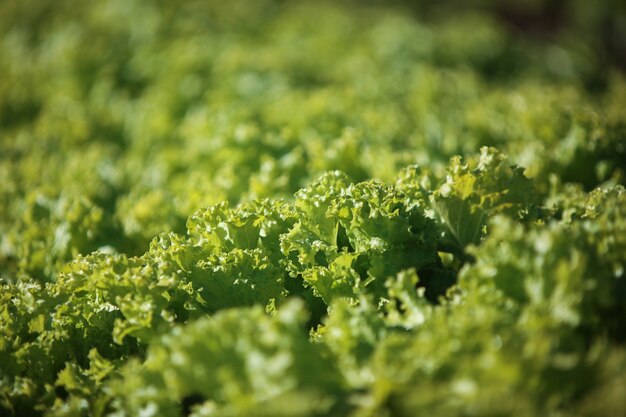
[294, 209]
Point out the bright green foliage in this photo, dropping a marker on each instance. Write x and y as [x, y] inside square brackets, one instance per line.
[238, 363]
[298, 208]
[115, 306]
[50, 232]
[350, 237]
[528, 322]
[469, 197]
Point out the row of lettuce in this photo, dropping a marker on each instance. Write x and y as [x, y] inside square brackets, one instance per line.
[333, 304]
[120, 119]
[255, 208]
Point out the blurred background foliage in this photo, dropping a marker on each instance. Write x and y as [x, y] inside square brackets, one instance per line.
[118, 119]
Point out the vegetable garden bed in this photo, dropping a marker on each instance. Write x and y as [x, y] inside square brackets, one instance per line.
[296, 208]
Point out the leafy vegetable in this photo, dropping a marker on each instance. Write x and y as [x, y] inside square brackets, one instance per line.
[312, 209]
